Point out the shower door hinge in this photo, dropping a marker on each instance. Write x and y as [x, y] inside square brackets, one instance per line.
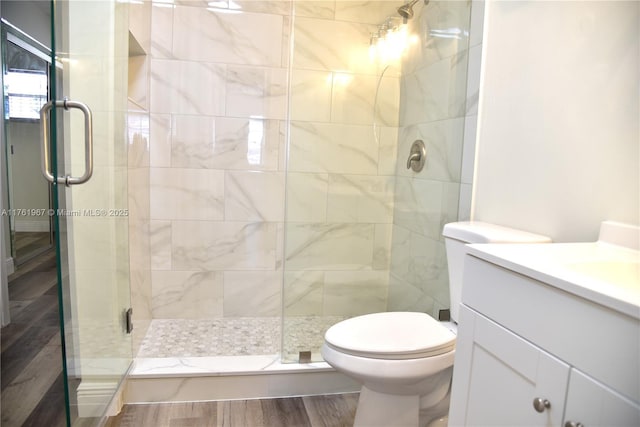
[128, 321]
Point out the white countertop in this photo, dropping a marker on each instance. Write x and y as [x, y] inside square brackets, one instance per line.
[603, 273]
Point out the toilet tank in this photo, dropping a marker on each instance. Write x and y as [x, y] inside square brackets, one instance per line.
[458, 234]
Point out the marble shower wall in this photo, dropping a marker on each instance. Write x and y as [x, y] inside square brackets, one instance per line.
[341, 162]
[438, 105]
[218, 103]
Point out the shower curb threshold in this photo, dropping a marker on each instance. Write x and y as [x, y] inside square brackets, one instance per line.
[191, 379]
[163, 367]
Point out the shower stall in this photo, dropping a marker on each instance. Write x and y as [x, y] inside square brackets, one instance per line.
[268, 189]
[279, 201]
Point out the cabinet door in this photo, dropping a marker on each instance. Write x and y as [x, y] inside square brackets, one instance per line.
[501, 374]
[591, 404]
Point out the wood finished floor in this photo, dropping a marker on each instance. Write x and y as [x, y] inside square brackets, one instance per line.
[31, 362]
[309, 411]
[29, 244]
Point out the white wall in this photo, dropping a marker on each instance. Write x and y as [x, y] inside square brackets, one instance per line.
[31, 16]
[559, 110]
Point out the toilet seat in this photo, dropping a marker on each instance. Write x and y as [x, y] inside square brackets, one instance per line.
[391, 336]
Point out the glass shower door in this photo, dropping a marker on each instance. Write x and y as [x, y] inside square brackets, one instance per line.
[84, 156]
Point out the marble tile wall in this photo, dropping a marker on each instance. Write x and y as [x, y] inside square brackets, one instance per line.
[241, 121]
[264, 154]
[438, 104]
[341, 162]
[138, 143]
[218, 104]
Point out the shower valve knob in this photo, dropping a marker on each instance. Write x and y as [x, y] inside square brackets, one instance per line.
[417, 156]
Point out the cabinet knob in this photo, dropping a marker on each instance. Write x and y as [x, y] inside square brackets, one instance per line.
[573, 424]
[541, 404]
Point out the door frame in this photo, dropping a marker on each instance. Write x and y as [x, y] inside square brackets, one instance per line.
[7, 262]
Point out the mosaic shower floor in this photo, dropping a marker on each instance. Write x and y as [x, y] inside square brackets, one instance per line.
[243, 336]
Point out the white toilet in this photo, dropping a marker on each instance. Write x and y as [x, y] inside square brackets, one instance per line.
[404, 360]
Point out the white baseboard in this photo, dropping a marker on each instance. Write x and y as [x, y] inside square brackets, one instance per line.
[94, 396]
[10, 266]
[32, 226]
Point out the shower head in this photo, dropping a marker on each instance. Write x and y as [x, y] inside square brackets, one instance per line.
[406, 11]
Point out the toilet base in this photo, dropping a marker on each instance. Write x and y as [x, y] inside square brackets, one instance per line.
[383, 410]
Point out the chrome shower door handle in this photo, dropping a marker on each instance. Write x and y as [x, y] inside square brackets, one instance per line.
[88, 142]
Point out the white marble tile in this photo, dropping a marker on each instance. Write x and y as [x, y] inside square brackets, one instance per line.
[382, 247]
[187, 294]
[435, 92]
[275, 7]
[387, 149]
[178, 366]
[226, 387]
[405, 297]
[352, 293]
[364, 11]
[138, 190]
[283, 151]
[187, 194]
[311, 95]
[138, 129]
[315, 9]
[287, 34]
[212, 245]
[443, 141]
[418, 260]
[362, 99]
[160, 140]
[425, 94]
[319, 45]
[303, 293]
[418, 205]
[329, 246]
[256, 92]
[333, 148]
[185, 87]
[360, 199]
[160, 243]
[307, 196]
[139, 247]
[193, 141]
[215, 35]
[442, 28]
[250, 293]
[254, 196]
[246, 144]
[161, 31]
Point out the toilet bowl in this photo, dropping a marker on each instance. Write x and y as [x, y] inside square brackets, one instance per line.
[404, 360]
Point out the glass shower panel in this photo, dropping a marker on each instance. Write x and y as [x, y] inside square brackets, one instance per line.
[364, 86]
[340, 172]
[91, 48]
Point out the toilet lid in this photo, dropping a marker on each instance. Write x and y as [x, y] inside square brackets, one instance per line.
[393, 335]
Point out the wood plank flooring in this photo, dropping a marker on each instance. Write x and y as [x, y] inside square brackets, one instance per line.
[31, 379]
[337, 410]
[29, 244]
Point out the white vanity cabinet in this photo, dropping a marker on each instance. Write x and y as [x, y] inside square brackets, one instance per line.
[530, 353]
